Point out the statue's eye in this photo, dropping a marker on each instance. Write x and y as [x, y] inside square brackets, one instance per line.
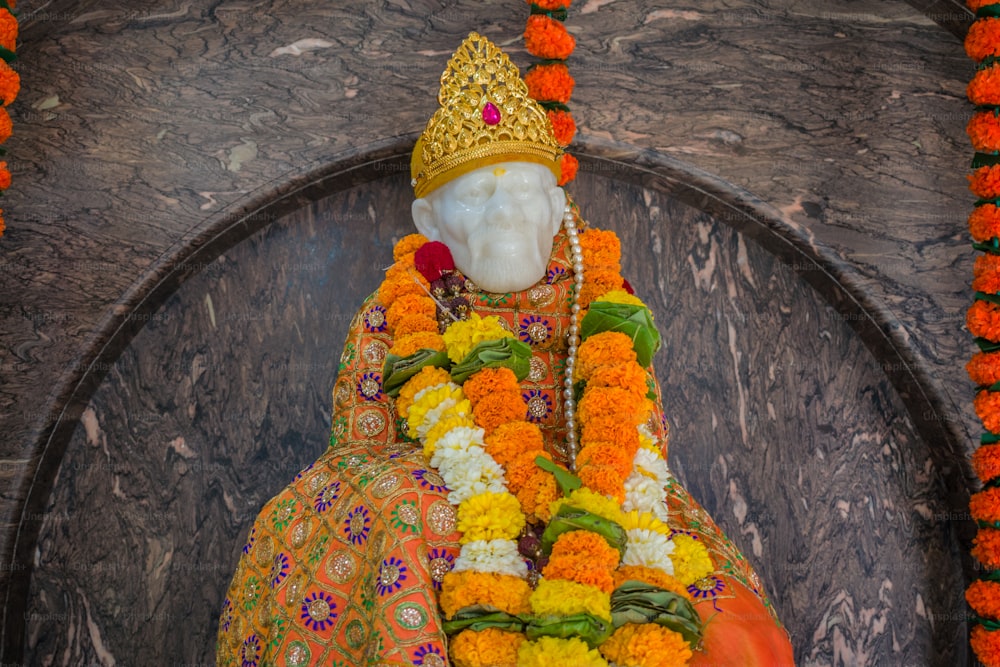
[477, 193]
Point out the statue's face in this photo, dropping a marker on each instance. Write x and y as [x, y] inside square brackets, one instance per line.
[498, 221]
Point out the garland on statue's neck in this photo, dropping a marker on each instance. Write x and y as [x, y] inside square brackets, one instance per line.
[982, 44]
[555, 569]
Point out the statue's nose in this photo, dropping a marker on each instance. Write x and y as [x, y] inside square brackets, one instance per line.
[501, 210]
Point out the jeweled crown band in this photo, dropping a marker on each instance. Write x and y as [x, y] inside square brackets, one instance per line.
[485, 116]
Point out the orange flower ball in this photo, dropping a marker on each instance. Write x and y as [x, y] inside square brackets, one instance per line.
[537, 495]
[488, 648]
[10, 84]
[4, 176]
[605, 348]
[986, 274]
[984, 131]
[547, 38]
[987, 404]
[496, 409]
[563, 126]
[984, 88]
[550, 83]
[409, 304]
[568, 166]
[602, 249]
[985, 182]
[509, 441]
[983, 320]
[986, 462]
[986, 645]
[984, 598]
[983, 39]
[606, 454]
[490, 381]
[985, 505]
[547, 5]
[588, 545]
[604, 481]
[986, 547]
[6, 126]
[8, 30]
[984, 368]
[984, 222]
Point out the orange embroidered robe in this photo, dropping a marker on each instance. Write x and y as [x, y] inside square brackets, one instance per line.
[342, 567]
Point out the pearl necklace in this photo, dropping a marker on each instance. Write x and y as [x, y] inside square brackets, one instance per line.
[573, 340]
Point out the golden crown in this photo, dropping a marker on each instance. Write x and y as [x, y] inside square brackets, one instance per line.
[485, 116]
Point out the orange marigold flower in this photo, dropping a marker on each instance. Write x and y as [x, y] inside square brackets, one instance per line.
[563, 126]
[987, 404]
[984, 88]
[547, 38]
[985, 505]
[503, 591]
[601, 401]
[984, 598]
[984, 368]
[407, 245]
[983, 39]
[3, 225]
[986, 547]
[607, 348]
[537, 494]
[985, 182]
[415, 324]
[509, 441]
[986, 274]
[396, 286]
[578, 569]
[588, 545]
[550, 83]
[983, 320]
[601, 249]
[521, 470]
[986, 462]
[8, 30]
[609, 428]
[409, 344]
[648, 644]
[490, 381]
[486, 648]
[986, 645]
[4, 176]
[568, 166]
[984, 222]
[604, 481]
[409, 304]
[547, 5]
[651, 576]
[984, 130]
[606, 454]
[628, 376]
[496, 409]
[10, 84]
[6, 126]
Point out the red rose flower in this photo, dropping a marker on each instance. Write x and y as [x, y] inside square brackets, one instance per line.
[432, 259]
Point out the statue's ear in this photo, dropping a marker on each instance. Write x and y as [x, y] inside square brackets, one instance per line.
[557, 198]
[423, 219]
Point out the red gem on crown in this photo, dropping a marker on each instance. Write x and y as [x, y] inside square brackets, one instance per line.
[491, 115]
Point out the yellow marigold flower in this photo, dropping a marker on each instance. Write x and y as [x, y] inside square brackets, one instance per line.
[585, 499]
[559, 597]
[621, 296]
[462, 336]
[428, 376]
[646, 521]
[646, 645]
[691, 560]
[555, 652]
[428, 401]
[501, 591]
[490, 516]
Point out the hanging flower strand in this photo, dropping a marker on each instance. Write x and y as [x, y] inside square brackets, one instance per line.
[549, 81]
[982, 44]
[10, 84]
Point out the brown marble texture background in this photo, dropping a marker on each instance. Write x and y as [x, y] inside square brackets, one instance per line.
[150, 138]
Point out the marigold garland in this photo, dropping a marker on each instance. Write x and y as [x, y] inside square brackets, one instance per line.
[463, 589]
[490, 381]
[609, 348]
[563, 126]
[986, 645]
[986, 274]
[985, 182]
[986, 462]
[985, 505]
[986, 547]
[550, 82]
[983, 39]
[568, 166]
[987, 404]
[408, 245]
[984, 598]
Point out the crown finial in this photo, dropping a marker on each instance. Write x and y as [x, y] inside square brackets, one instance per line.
[485, 116]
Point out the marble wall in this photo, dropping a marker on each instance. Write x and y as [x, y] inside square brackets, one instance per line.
[783, 425]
